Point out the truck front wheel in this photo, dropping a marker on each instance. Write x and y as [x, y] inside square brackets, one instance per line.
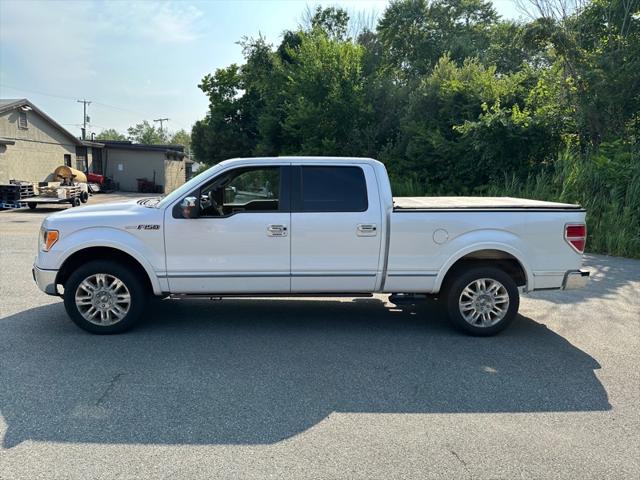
[104, 297]
[482, 301]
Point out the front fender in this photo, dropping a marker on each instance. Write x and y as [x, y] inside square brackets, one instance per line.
[114, 238]
[485, 240]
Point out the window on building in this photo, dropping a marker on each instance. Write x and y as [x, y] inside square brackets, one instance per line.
[332, 189]
[67, 160]
[22, 120]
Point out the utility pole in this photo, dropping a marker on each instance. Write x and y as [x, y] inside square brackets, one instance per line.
[161, 120]
[84, 117]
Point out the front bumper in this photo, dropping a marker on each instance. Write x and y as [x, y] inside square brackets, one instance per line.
[575, 279]
[45, 279]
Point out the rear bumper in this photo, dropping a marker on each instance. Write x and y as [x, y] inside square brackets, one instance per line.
[575, 279]
[45, 279]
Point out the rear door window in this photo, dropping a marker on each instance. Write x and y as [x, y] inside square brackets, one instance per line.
[332, 189]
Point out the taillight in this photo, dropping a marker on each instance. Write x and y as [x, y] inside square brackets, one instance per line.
[576, 235]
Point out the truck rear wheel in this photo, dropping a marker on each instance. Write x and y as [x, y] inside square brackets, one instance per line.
[481, 300]
[104, 297]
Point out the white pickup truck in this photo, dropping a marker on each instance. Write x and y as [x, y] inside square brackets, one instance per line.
[292, 226]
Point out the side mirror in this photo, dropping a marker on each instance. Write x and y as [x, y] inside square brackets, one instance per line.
[188, 208]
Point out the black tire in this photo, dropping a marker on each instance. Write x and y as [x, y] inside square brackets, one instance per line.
[460, 279]
[32, 205]
[84, 197]
[75, 202]
[137, 288]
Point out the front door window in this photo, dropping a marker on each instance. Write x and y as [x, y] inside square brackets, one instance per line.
[242, 190]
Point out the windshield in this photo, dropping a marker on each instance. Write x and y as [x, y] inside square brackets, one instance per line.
[187, 187]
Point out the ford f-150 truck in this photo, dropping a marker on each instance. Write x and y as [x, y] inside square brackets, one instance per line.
[307, 226]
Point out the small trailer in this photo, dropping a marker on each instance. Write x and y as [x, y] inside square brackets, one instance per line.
[64, 185]
[74, 195]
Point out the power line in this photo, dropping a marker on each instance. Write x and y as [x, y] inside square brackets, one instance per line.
[34, 92]
[140, 114]
[72, 98]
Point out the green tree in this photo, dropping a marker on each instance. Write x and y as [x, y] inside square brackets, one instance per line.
[227, 131]
[181, 137]
[147, 134]
[416, 33]
[111, 134]
[332, 20]
[325, 104]
[597, 49]
[465, 126]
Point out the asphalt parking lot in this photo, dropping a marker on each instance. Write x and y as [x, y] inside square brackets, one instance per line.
[322, 388]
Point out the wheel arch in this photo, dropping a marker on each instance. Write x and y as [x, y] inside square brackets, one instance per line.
[89, 253]
[502, 256]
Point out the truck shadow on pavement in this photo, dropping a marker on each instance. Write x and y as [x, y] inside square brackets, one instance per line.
[260, 371]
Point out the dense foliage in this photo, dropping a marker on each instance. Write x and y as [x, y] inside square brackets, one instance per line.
[454, 100]
[148, 134]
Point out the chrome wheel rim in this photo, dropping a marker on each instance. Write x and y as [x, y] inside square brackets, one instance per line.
[103, 299]
[484, 302]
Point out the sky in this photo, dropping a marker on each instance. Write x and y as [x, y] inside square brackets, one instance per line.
[138, 61]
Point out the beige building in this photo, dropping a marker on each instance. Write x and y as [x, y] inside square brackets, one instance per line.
[32, 145]
[165, 166]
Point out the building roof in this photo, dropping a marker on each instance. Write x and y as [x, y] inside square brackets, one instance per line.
[178, 150]
[8, 101]
[7, 104]
[129, 145]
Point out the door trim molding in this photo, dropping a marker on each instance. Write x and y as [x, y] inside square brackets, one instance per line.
[261, 275]
[412, 274]
[221, 275]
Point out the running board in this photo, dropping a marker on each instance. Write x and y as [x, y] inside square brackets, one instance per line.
[185, 296]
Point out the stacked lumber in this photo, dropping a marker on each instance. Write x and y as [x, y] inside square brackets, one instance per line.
[59, 191]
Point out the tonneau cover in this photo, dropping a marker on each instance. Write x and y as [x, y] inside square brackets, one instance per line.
[477, 203]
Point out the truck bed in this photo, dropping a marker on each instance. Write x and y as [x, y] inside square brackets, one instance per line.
[401, 204]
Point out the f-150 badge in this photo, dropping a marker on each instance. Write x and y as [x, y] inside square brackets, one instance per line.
[143, 227]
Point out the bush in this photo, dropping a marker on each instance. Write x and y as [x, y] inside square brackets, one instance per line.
[606, 184]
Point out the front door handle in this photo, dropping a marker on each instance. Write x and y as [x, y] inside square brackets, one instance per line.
[367, 230]
[277, 230]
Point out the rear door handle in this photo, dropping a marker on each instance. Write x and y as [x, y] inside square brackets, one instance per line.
[277, 230]
[367, 230]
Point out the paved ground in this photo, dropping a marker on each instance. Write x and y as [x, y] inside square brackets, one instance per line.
[334, 388]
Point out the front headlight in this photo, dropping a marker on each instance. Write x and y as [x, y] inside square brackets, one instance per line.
[48, 238]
